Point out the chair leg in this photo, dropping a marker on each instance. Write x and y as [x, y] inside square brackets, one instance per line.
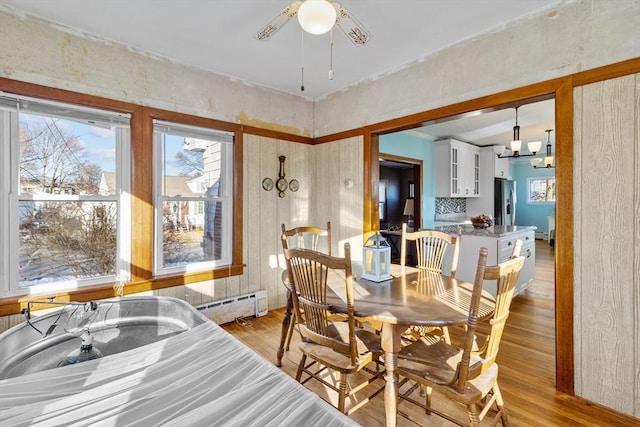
[474, 418]
[502, 412]
[292, 325]
[342, 392]
[427, 397]
[303, 360]
[286, 325]
[445, 335]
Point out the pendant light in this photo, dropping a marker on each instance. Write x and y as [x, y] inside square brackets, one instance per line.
[548, 159]
[516, 143]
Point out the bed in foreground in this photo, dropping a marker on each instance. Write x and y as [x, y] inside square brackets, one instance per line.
[202, 376]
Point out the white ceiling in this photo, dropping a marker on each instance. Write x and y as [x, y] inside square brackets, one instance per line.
[218, 35]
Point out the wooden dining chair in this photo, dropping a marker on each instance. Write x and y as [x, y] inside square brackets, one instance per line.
[431, 248]
[466, 374]
[335, 348]
[304, 237]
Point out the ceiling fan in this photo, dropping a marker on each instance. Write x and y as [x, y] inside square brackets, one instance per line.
[318, 17]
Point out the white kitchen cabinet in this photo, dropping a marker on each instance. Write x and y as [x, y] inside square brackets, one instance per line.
[491, 167]
[500, 167]
[457, 169]
[500, 247]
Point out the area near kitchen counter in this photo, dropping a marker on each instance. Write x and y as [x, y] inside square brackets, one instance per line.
[499, 241]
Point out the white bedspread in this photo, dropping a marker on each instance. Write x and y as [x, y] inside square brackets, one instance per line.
[202, 377]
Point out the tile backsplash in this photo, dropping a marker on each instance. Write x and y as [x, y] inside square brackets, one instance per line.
[447, 205]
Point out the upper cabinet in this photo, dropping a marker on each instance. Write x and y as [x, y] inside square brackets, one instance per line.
[457, 169]
[500, 166]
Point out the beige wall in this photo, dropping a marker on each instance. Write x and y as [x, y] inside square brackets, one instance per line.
[321, 171]
[580, 35]
[577, 36]
[36, 52]
[607, 243]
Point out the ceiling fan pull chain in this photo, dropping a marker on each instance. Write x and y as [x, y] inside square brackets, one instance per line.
[302, 54]
[331, 72]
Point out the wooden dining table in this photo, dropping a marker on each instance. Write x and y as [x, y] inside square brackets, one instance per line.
[410, 297]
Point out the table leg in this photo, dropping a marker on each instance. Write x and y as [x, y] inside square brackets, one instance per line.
[285, 328]
[391, 344]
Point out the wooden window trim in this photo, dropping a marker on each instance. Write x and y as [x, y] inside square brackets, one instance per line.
[142, 196]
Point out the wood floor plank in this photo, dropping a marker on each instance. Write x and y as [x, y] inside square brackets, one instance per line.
[526, 363]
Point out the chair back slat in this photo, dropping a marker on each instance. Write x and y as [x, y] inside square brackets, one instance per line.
[431, 247]
[506, 276]
[309, 272]
[308, 237]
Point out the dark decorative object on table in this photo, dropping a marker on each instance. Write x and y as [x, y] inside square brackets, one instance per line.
[481, 221]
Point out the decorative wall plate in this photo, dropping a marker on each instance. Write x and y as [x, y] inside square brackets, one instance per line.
[294, 185]
[267, 184]
[282, 184]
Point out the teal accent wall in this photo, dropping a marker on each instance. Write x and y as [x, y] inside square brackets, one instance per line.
[405, 145]
[531, 214]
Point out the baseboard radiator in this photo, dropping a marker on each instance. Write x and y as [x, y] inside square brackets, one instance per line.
[231, 309]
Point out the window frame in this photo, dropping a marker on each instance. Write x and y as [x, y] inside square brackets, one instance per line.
[530, 181]
[12, 197]
[226, 198]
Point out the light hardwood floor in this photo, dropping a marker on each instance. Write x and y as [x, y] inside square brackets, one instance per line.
[526, 360]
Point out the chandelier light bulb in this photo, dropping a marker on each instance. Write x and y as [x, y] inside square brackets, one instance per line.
[534, 146]
[316, 16]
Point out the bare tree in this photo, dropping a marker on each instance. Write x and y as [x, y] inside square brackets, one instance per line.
[65, 237]
[54, 158]
[190, 163]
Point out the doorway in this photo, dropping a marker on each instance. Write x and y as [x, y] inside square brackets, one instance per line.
[400, 192]
[563, 325]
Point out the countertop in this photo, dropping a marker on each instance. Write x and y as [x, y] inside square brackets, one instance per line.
[468, 230]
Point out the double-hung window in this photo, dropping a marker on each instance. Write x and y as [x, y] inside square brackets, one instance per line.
[541, 190]
[65, 203]
[193, 181]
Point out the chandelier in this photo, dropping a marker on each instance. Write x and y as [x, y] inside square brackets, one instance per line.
[548, 159]
[516, 143]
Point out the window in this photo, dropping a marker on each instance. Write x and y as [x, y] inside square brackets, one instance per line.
[541, 190]
[64, 195]
[194, 201]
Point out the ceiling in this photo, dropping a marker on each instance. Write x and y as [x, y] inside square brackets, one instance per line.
[218, 35]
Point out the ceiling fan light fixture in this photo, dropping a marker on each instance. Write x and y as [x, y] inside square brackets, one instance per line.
[316, 16]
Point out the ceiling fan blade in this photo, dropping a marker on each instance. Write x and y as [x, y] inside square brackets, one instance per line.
[354, 30]
[276, 23]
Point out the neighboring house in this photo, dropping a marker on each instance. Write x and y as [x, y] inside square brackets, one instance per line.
[188, 215]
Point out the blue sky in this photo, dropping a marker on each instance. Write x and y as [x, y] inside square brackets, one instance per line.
[99, 143]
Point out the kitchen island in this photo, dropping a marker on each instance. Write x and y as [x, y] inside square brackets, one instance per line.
[499, 241]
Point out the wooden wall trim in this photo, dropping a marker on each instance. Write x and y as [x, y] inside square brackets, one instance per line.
[141, 195]
[564, 280]
[273, 134]
[238, 205]
[607, 72]
[14, 305]
[53, 94]
[341, 135]
[371, 170]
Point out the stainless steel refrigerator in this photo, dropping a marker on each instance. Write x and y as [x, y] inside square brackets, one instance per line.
[504, 202]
